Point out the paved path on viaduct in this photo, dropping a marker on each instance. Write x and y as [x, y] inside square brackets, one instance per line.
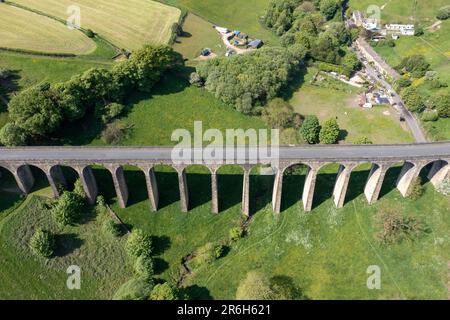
[415, 157]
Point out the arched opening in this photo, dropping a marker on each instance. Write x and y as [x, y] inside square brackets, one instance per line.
[436, 172]
[358, 181]
[10, 192]
[135, 181]
[105, 183]
[167, 181]
[69, 176]
[199, 185]
[262, 178]
[325, 182]
[229, 181]
[390, 180]
[293, 183]
[41, 183]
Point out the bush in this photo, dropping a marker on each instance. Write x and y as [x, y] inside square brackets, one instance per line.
[310, 129]
[404, 83]
[219, 251]
[278, 114]
[394, 228]
[135, 289]
[12, 135]
[143, 267]
[413, 99]
[236, 233]
[90, 33]
[329, 133]
[79, 189]
[363, 140]
[164, 292]
[42, 243]
[430, 116]
[111, 228]
[138, 244]
[415, 190]
[255, 286]
[443, 13]
[203, 256]
[196, 80]
[415, 64]
[67, 209]
[114, 133]
[112, 111]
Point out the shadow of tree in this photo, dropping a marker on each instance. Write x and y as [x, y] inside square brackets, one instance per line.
[286, 288]
[67, 244]
[196, 292]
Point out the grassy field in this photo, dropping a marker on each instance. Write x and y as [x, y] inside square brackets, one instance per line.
[172, 105]
[233, 14]
[324, 253]
[21, 29]
[127, 24]
[355, 122]
[402, 11]
[198, 34]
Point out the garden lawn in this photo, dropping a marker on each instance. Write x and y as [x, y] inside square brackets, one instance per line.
[128, 24]
[198, 34]
[355, 122]
[22, 29]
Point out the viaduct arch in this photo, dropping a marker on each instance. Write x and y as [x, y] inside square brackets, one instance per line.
[50, 159]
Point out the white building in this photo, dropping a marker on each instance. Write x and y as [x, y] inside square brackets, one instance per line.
[370, 24]
[401, 29]
[358, 18]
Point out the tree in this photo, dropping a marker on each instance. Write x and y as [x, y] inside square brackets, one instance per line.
[413, 100]
[138, 244]
[278, 114]
[164, 291]
[443, 13]
[42, 243]
[351, 63]
[196, 80]
[415, 64]
[143, 266]
[326, 48]
[36, 110]
[329, 132]
[255, 286]
[310, 129]
[111, 111]
[441, 102]
[67, 209]
[236, 233]
[289, 136]
[134, 289]
[416, 190]
[12, 135]
[329, 8]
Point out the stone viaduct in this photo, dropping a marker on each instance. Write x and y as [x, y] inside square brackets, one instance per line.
[414, 157]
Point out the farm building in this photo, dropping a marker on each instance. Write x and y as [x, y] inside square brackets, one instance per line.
[402, 29]
[256, 44]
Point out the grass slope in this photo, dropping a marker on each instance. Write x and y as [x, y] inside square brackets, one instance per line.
[127, 24]
[22, 29]
[233, 14]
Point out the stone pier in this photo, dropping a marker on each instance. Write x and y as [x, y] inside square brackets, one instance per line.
[341, 185]
[214, 193]
[308, 189]
[440, 170]
[152, 188]
[89, 183]
[277, 191]
[184, 194]
[120, 185]
[375, 182]
[410, 171]
[246, 192]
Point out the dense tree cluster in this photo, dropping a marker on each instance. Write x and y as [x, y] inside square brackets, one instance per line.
[40, 110]
[250, 80]
[416, 65]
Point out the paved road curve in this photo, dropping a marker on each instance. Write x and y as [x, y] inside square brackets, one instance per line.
[437, 151]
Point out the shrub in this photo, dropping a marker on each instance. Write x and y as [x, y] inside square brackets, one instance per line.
[403, 83]
[310, 129]
[394, 227]
[111, 228]
[443, 13]
[135, 289]
[363, 140]
[112, 111]
[415, 190]
[236, 233]
[203, 256]
[114, 133]
[42, 243]
[143, 267]
[90, 33]
[278, 114]
[219, 251]
[164, 292]
[430, 116]
[12, 135]
[67, 209]
[196, 80]
[413, 99]
[415, 64]
[329, 133]
[79, 189]
[138, 244]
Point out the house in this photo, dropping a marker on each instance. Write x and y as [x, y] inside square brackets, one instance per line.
[370, 24]
[256, 44]
[221, 30]
[400, 29]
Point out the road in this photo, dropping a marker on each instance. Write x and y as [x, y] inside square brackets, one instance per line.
[436, 151]
[412, 122]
